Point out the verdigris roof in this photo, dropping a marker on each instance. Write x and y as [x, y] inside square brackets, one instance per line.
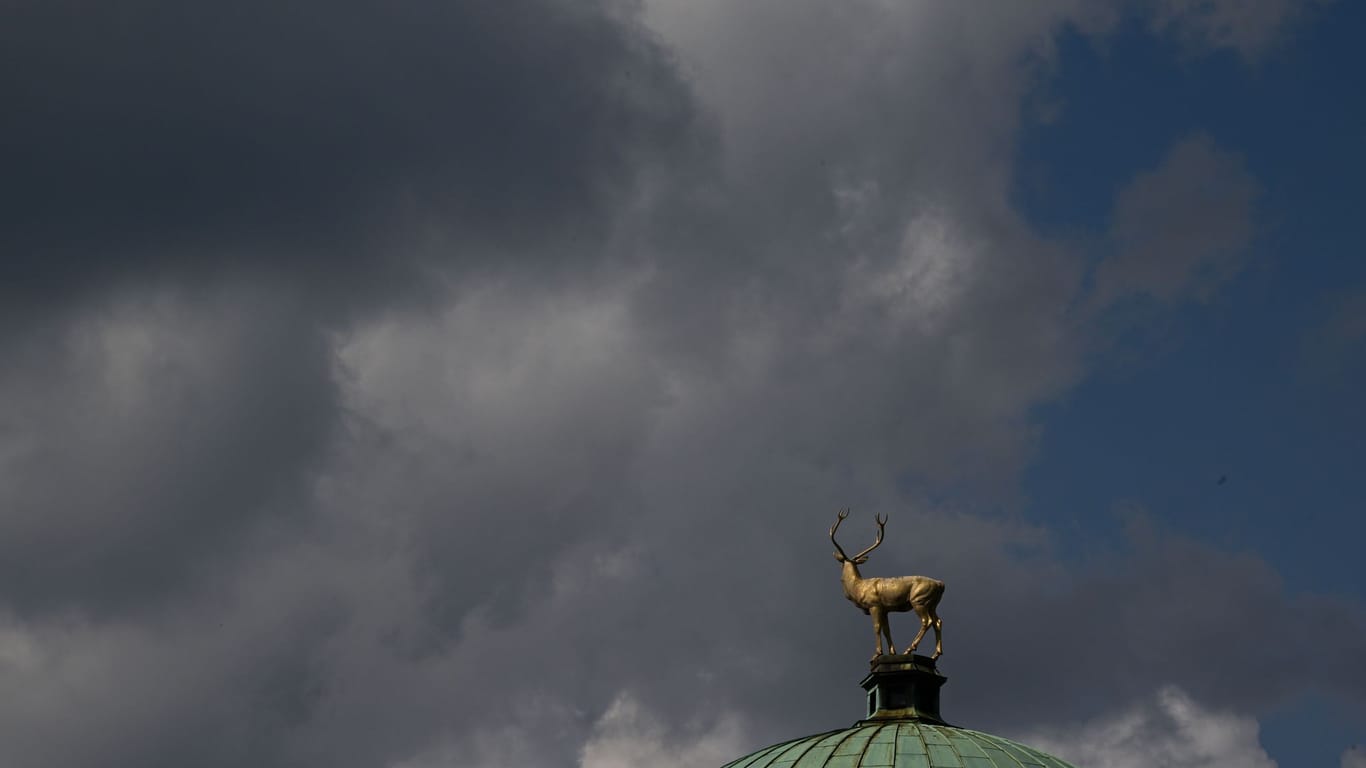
[900, 744]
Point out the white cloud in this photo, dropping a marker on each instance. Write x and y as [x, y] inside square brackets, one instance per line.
[627, 736]
[1354, 757]
[1170, 729]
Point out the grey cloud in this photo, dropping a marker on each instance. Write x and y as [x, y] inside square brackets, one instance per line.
[1194, 616]
[1249, 28]
[1181, 229]
[220, 681]
[514, 424]
[1331, 351]
[875, 234]
[144, 432]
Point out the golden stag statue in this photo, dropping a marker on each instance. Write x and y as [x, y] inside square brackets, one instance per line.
[877, 596]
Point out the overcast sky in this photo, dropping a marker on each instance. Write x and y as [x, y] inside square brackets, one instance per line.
[471, 384]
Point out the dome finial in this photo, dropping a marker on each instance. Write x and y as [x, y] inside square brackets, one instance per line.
[904, 688]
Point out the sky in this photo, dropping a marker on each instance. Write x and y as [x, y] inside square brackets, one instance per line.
[422, 384]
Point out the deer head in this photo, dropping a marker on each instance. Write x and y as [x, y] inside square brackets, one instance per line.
[861, 557]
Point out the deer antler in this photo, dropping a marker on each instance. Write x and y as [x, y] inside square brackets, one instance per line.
[881, 523]
[843, 513]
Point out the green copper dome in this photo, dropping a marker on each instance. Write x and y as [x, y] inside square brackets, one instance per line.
[903, 729]
[899, 744]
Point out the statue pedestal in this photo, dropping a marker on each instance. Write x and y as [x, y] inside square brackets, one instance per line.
[903, 687]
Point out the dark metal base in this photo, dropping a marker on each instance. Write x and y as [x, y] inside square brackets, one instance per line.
[903, 687]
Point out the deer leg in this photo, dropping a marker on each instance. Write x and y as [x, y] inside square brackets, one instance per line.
[879, 623]
[924, 625]
[938, 633]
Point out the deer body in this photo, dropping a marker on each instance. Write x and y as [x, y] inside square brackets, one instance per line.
[878, 596]
[896, 593]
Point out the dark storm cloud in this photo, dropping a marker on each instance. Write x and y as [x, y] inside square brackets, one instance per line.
[342, 143]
